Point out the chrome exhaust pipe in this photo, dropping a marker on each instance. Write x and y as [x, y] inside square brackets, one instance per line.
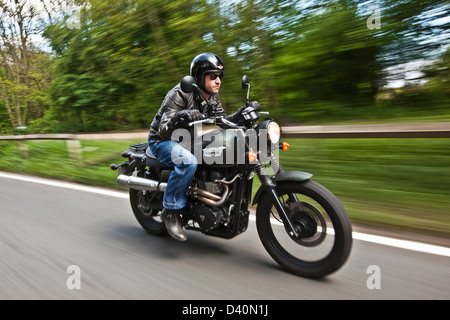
[197, 192]
[210, 198]
[138, 183]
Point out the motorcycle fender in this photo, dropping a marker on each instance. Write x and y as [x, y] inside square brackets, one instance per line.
[298, 176]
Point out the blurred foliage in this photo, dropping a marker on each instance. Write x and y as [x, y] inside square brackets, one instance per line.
[425, 99]
[308, 61]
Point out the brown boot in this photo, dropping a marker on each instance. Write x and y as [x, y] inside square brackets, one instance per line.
[173, 224]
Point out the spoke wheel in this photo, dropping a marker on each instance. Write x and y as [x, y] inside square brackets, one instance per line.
[325, 235]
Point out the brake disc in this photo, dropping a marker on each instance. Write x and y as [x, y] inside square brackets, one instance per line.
[309, 223]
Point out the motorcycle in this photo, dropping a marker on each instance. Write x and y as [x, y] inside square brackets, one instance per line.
[300, 223]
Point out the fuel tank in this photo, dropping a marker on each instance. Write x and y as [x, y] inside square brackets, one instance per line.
[220, 147]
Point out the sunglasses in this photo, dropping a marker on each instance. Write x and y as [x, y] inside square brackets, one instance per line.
[214, 76]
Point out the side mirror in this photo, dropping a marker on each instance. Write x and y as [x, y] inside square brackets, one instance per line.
[246, 85]
[245, 82]
[187, 84]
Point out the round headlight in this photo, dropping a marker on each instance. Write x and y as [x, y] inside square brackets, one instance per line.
[274, 132]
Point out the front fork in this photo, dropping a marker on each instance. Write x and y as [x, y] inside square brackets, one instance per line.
[269, 185]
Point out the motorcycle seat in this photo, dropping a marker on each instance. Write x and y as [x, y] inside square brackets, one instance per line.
[152, 161]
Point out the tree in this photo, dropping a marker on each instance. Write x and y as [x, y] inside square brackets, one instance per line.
[411, 31]
[307, 60]
[25, 70]
[326, 66]
[114, 70]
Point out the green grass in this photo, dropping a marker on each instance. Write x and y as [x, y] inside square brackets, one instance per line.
[404, 183]
[395, 182]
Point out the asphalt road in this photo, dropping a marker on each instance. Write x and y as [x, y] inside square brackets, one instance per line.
[56, 236]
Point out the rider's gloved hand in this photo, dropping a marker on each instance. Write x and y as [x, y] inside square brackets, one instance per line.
[183, 117]
[215, 109]
[251, 112]
[254, 105]
[237, 116]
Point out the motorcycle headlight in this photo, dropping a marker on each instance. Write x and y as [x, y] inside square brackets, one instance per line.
[274, 132]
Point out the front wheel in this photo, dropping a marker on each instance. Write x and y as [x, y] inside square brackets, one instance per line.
[324, 228]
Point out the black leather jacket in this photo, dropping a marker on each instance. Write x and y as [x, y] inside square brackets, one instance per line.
[174, 101]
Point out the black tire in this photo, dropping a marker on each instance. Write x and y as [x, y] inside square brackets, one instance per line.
[306, 257]
[147, 210]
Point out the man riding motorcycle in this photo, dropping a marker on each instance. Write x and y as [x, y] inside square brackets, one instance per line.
[177, 110]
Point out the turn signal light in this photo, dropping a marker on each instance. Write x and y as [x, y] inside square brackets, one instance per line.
[252, 156]
[285, 145]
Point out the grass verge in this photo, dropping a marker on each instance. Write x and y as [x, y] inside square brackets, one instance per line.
[401, 183]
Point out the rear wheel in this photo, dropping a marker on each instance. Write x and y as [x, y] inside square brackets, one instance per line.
[147, 207]
[319, 218]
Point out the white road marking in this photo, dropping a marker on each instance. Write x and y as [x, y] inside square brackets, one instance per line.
[63, 184]
[404, 244]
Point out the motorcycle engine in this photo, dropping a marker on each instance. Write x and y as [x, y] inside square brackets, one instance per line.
[207, 216]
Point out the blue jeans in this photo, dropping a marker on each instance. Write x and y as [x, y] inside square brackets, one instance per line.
[172, 154]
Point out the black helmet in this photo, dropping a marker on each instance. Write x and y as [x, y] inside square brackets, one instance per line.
[205, 63]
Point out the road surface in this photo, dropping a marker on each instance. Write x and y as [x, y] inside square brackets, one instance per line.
[67, 241]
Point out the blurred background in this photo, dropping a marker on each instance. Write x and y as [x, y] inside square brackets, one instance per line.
[73, 66]
[91, 66]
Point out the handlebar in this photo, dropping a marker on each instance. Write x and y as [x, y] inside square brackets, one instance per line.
[208, 121]
[222, 119]
[214, 121]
